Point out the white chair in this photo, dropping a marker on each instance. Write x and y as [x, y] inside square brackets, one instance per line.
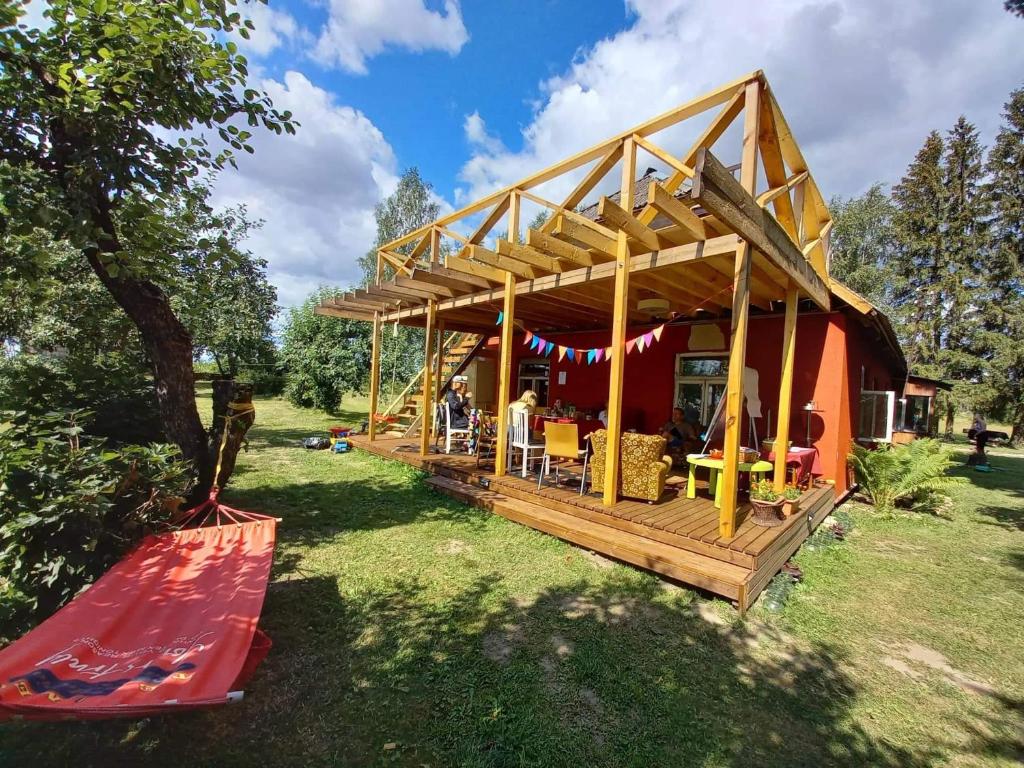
[451, 434]
[519, 437]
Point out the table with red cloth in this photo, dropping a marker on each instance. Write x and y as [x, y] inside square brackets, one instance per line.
[806, 460]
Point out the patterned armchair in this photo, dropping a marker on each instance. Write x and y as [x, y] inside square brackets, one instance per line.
[643, 465]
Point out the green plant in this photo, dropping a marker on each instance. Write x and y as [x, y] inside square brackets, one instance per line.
[912, 475]
[70, 506]
[764, 490]
[791, 494]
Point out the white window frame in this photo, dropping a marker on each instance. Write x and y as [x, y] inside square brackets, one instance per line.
[890, 413]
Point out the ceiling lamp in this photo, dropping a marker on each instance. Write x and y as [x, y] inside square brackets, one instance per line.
[653, 307]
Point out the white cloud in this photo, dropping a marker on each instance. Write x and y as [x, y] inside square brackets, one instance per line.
[476, 134]
[861, 81]
[315, 190]
[272, 29]
[360, 29]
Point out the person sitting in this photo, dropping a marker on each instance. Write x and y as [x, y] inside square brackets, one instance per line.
[458, 400]
[526, 402]
[602, 415]
[557, 409]
[680, 435]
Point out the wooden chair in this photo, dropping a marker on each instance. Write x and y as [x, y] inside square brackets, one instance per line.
[452, 434]
[561, 441]
[487, 438]
[519, 438]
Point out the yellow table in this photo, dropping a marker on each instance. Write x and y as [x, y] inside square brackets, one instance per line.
[756, 470]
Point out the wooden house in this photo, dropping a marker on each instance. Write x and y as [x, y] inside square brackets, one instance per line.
[710, 283]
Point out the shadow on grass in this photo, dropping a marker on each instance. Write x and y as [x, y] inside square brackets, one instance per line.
[1006, 480]
[580, 675]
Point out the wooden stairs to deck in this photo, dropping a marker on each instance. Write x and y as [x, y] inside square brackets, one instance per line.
[458, 352]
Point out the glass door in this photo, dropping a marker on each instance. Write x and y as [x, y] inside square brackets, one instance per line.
[700, 384]
[535, 375]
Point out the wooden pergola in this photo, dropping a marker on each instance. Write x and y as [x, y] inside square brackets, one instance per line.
[703, 238]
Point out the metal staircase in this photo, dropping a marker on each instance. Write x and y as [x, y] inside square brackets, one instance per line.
[457, 352]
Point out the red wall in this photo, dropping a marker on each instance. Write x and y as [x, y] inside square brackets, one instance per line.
[830, 350]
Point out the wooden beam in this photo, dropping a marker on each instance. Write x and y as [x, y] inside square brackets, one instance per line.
[786, 387]
[664, 156]
[573, 230]
[374, 376]
[623, 220]
[708, 137]
[407, 292]
[506, 263]
[505, 354]
[395, 261]
[476, 270]
[560, 249]
[598, 172]
[620, 307]
[427, 403]
[472, 274]
[439, 361]
[718, 192]
[528, 255]
[415, 282]
[775, 168]
[740, 323]
[676, 211]
[420, 249]
[348, 314]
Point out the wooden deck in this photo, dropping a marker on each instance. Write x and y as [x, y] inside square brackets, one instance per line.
[677, 537]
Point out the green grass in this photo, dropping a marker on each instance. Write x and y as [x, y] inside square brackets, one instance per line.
[412, 630]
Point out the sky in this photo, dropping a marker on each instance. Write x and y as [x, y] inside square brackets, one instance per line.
[480, 93]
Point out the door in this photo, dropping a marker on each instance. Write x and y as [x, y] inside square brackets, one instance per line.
[535, 375]
[700, 384]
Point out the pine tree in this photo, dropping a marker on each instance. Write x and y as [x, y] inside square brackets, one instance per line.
[864, 245]
[1003, 308]
[917, 270]
[964, 256]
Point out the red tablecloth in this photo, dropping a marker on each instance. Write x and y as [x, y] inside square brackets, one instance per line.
[585, 426]
[806, 458]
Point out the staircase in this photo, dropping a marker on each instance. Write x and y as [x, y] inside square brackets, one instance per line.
[457, 351]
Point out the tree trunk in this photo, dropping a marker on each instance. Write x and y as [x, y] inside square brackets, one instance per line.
[233, 401]
[1017, 433]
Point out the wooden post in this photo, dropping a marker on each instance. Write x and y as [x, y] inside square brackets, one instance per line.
[435, 245]
[740, 323]
[786, 387]
[507, 328]
[374, 375]
[439, 368]
[427, 404]
[620, 320]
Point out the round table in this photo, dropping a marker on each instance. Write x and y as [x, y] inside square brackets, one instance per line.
[755, 468]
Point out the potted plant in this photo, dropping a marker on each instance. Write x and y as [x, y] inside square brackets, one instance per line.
[767, 504]
[791, 501]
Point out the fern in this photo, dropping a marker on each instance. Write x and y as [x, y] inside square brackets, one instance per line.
[912, 475]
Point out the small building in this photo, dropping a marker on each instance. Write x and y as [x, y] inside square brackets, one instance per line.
[704, 287]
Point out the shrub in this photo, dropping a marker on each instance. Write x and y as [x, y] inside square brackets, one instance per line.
[912, 475]
[70, 506]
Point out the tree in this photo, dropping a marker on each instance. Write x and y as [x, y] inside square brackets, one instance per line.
[1015, 6]
[1003, 307]
[87, 105]
[326, 357]
[864, 244]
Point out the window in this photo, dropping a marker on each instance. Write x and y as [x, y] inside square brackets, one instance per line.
[700, 384]
[534, 374]
[917, 411]
[876, 416]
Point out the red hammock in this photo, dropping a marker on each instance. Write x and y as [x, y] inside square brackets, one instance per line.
[170, 627]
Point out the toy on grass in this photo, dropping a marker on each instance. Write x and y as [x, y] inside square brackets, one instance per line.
[339, 436]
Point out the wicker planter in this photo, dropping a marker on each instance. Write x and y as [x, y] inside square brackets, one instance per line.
[790, 507]
[767, 513]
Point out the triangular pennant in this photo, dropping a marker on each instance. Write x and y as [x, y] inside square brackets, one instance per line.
[590, 355]
[561, 352]
[658, 331]
[548, 347]
[501, 317]
[607, 353]
[629, 345]
[571, 353]
[579, 355]
[529, 338]
[598, 354]
[640, 343]
[648, 338]
[536, 343]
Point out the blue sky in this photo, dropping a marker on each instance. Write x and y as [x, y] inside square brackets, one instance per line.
[478, 94]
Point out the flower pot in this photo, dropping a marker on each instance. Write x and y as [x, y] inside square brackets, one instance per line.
[790, 507]
[766, 513]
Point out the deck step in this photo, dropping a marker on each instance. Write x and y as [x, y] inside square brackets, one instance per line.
[709, 573]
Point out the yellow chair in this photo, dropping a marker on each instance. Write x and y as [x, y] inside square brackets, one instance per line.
[561, 441]
[643, 465]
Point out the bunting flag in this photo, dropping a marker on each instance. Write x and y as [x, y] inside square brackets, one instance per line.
[593, 355]
[501, 318]
[648, 338]
[529, 338]
[579, 355]
[607, 353]
[590, 355]
[548, 347]
[561, 352]
[658, 331]
[629, 345]
[571, 353]
[598, 354]
[639, 344]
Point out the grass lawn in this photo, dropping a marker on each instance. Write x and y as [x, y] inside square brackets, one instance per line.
[412, 630]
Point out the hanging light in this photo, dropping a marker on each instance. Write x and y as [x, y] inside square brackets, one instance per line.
[653, 307]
